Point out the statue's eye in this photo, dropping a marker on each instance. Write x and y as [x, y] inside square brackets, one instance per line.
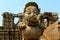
[29, 13]
[35, 12]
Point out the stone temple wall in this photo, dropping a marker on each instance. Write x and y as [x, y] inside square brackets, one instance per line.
[9, 30]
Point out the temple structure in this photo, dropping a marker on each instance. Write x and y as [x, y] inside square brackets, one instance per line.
[11, 31]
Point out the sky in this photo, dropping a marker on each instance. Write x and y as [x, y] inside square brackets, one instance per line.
[17, 6]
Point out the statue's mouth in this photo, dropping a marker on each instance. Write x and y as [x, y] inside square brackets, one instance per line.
[32, 22]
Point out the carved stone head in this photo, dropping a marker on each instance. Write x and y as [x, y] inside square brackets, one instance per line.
[31, 12]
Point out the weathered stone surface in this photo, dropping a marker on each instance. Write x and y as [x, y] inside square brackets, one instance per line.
[51, 32]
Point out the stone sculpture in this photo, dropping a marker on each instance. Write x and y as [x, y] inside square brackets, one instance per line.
[30, 26]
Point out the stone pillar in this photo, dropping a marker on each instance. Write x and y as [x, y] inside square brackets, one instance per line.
[8, 20]
[8, 23]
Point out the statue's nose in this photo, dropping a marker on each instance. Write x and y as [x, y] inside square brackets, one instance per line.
[33, 17]
[32, 14]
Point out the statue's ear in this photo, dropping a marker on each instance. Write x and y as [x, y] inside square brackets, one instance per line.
[39, 10]
[24, 10]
